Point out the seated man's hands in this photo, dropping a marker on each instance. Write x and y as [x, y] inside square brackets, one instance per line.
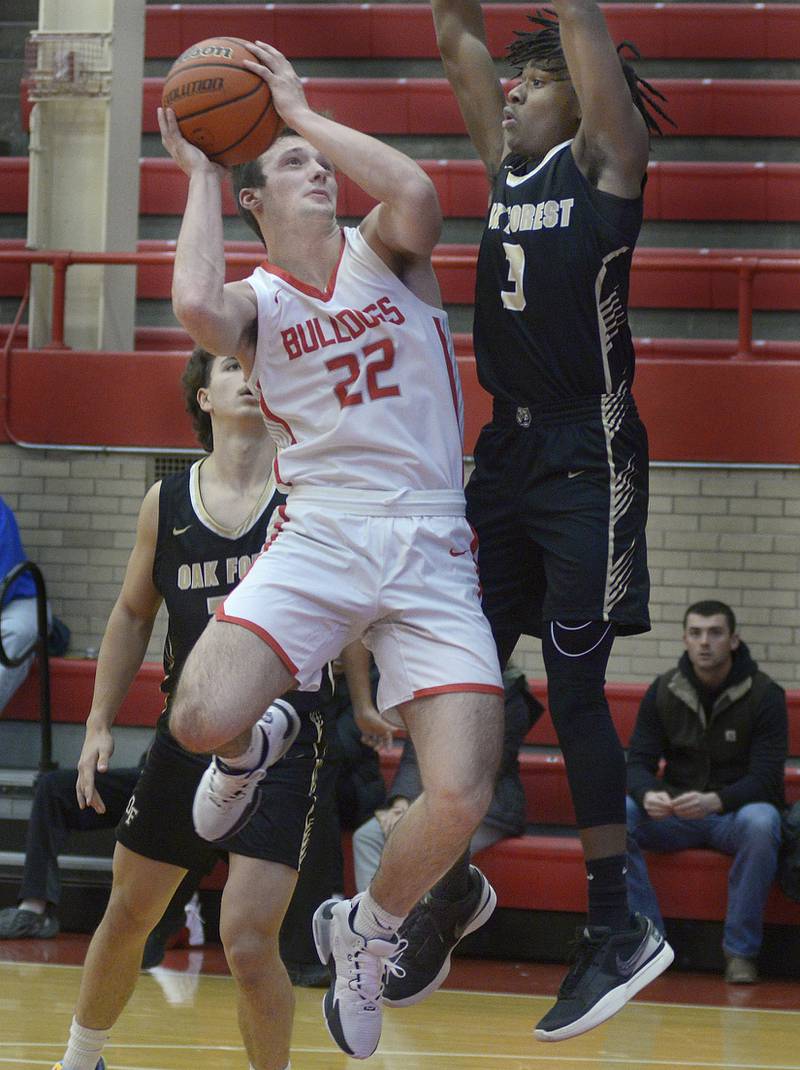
[657, 804]
[389, 816]
[693, 805]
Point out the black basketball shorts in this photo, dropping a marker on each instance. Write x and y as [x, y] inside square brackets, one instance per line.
[158, 821]
[558, 500]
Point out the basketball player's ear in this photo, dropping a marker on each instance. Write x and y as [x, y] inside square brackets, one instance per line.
[250, 198]
[203, 400]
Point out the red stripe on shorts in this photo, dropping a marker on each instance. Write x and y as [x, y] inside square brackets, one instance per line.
[484, 689]
[451, 375]
[271, 642]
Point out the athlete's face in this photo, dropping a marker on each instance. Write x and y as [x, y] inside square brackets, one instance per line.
[227, 394]
[710, 644]
[299, 178]
[541, 111]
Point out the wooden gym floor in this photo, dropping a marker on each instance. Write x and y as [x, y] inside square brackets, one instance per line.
[182, 1016]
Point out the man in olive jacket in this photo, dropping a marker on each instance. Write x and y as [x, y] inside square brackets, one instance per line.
[721, 728]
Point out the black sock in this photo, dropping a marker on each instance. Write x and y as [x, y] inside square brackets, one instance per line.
[608, 892]
[455, 884]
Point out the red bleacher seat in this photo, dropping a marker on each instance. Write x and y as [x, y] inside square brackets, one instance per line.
[708, 107]
[547, 873]
[676, 190]
[661, 31]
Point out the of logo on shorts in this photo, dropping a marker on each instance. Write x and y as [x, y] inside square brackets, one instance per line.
[524, 416]
[130, 810]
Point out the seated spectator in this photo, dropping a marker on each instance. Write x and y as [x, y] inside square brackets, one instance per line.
[442, 917]
[721, 728]
[55, 813]
[18, 618]
[359, 788]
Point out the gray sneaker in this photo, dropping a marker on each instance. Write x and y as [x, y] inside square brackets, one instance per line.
[16, 924]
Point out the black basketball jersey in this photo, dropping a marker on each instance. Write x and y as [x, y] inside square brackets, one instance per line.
[198, 562]
[551, 320]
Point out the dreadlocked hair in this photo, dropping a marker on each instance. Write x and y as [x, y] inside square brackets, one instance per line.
[543, 49]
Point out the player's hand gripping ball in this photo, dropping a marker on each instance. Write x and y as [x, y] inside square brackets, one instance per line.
[221, 107]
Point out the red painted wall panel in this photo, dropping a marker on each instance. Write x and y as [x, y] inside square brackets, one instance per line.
[752, 404]
[661, 31]
[701, 108]
[675, 190]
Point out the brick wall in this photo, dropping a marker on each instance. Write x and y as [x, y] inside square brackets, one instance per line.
[733, 535]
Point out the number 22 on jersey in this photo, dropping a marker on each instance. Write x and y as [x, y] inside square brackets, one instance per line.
[351, 362]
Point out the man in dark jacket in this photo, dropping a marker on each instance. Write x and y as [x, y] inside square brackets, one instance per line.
[721, 728]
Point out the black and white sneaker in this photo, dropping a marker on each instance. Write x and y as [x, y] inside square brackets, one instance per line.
[608, 969]
[352, 1006]
[226, 797]
[432, 930]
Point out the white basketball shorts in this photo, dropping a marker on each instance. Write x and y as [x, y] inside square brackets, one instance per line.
[406, 585]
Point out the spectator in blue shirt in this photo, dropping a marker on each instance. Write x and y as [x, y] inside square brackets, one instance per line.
[18, 611]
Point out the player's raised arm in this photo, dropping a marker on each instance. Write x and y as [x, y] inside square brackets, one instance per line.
[219, 317]
[612, 143]
[469, 68]
[408, 219]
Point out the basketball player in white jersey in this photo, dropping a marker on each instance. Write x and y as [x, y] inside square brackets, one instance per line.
[343, 338]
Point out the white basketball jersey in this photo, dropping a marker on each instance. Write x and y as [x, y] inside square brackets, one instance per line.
[358, 384]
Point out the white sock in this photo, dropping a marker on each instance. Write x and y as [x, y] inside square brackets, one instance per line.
[372, 920]
[84, 1048]
[35, 906]
[248, 758]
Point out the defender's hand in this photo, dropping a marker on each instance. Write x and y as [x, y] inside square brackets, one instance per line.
[375, 732]
[98, 746]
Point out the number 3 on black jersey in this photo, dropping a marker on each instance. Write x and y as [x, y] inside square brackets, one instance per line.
[514, 300]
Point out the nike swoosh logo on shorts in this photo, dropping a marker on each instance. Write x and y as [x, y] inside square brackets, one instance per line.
[180, 531]
[572, 475]
[457, 553]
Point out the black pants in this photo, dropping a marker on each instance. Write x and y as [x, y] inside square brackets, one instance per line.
[55, 814]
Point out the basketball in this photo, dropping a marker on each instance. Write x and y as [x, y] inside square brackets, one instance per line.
[221, 107]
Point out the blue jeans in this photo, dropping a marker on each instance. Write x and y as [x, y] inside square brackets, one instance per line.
[751, 834]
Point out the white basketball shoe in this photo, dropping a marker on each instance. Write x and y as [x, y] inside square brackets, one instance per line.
[226, 797]
[352, 1006]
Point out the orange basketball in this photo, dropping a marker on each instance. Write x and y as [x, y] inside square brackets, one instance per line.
[221, 106]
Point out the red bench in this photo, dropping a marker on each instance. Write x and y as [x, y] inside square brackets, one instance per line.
[529, 872]
[661, 31]
[72, 681]
[724, 107]
[766, 192]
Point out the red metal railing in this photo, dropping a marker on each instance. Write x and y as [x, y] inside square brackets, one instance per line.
[747, 268]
